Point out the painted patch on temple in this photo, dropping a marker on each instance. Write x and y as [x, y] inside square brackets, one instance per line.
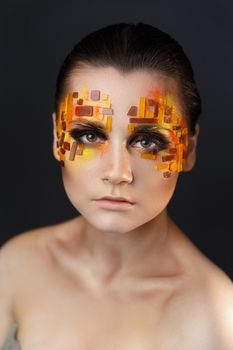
[160, 112]
[75, 108]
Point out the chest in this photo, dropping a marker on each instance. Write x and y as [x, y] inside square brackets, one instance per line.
[74, 322]
[68, 321]
[54, 311]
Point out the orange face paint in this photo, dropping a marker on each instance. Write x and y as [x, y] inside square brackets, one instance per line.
[78, 107]
[160, 111]
[157, 110]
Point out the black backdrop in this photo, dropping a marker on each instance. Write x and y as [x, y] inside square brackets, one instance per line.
[35, 38]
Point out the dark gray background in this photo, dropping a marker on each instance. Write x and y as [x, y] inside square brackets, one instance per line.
[36, 37]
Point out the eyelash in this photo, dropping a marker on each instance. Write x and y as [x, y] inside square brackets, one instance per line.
[161, 141]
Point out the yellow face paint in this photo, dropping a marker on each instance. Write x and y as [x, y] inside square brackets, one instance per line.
[78, 107]
[160, 112]
[157, 110]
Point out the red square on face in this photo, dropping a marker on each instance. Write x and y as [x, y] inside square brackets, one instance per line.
[150, 102]
[168, 110]
[166, 174]
[80, 101]
[73, 150]
[84, 110]
[133, 111]
[63, 125]
[75, 94]
[66, 145]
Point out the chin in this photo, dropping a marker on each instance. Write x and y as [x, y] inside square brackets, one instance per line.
[116, 223]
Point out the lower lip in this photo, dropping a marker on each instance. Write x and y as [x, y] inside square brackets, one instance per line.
[109, 204]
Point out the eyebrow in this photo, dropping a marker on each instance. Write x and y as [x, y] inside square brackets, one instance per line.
[101, 127]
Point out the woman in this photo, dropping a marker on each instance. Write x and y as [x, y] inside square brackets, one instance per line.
[121, 275]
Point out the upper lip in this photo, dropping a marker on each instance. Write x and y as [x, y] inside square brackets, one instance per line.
[116, 199]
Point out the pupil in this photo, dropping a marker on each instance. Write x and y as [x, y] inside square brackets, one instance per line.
[90, 138]
[145, 142]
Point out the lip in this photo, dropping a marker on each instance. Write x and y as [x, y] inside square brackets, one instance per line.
[116, 199]
[114, 205]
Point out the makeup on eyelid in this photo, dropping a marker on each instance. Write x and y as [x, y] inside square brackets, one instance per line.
[83, 131]
[155, 120]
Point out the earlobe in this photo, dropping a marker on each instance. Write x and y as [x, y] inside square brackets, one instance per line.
[190, 159]
[55, 136]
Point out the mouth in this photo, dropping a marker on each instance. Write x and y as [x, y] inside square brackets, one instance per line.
[114, 204]
[116, 199]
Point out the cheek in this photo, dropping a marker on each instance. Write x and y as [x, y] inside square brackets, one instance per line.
[156, 190]
[158, 185]
[77, 175]
[76, 182]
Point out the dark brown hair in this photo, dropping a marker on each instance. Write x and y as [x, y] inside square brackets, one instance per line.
[129, 46]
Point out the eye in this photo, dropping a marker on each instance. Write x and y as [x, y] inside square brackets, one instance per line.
[87, 136]
[151, 143]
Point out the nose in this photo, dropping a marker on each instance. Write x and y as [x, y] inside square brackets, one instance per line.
[116, 164]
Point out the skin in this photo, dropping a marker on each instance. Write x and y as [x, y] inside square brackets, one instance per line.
[120, 279]
[110, 235]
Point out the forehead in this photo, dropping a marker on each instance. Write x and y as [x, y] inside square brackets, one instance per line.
[123, 89]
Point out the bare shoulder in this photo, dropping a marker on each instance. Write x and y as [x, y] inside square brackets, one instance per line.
[219, 289]
[16, 263]
[33, 245]
[216, 288]
[209, 294]
[27, 246]
[23, 243]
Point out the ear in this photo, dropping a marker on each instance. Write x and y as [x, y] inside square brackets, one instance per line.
[190, 158]
[55, 149]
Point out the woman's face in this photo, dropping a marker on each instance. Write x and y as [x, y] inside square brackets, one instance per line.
[118, 160]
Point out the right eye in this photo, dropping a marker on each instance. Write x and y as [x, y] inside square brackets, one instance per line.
[90, 135]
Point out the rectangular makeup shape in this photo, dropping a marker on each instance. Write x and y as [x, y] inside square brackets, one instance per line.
[95, 95]
[73, 150]
[84, 110]
[144, 120]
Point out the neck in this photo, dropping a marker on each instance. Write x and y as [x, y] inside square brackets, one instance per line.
[141, 252]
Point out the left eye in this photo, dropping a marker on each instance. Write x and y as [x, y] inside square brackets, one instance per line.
[145, 142]
[151, 145]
